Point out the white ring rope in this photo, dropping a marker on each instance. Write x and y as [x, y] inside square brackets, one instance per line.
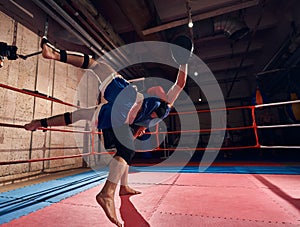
[289, 147]
[278, 126]
[277, 103]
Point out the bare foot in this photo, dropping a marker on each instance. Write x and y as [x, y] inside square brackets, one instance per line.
[49, 51]
[33, 125]
[108, 205]
[126, 190]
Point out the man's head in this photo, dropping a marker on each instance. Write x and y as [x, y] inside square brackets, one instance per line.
[162, 110]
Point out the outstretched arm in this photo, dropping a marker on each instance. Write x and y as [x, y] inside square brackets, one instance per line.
[61, 119]
[179, 84]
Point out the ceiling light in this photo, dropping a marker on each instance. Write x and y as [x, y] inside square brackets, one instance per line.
[189, 12]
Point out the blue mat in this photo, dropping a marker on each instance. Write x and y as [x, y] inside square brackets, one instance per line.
[22, 201]
[288, 170]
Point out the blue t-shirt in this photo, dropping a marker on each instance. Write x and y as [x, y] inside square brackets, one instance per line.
[144, 118]
[120, 96]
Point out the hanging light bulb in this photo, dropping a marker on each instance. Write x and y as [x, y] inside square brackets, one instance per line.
[189, 11]
[190, 24]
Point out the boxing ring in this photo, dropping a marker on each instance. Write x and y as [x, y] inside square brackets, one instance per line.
[227, 193]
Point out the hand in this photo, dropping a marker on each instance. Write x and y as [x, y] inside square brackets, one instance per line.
[139, 132]
[33, 125]
[180, 42]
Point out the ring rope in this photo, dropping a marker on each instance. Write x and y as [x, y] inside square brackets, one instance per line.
[277, 103]
[150, 133]
[49, 129]
[200, 148]
[254, 126]
[101, 153]
[212, 110]
[38, 95]
[52, 158]
[278, 126]
[202, 130]
[281, 147]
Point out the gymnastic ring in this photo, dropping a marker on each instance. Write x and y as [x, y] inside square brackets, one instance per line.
[180, 56]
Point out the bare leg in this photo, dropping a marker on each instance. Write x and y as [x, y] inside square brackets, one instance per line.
[101, 68]
[105, 197]
[50, 52]
[124, 188]
[59, 120]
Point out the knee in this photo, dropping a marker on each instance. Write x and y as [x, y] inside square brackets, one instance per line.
[126, 155]
[83, 114]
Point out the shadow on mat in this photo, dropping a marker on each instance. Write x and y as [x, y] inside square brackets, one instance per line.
[279, 192]
[130, 215]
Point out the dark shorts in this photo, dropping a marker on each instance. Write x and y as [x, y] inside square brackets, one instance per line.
[122, 139]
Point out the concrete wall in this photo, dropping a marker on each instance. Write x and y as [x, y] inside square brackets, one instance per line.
[48, 77]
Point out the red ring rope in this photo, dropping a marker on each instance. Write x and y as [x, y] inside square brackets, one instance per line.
[49, 159]
[49, 129]
[37, 95]
[253, 126]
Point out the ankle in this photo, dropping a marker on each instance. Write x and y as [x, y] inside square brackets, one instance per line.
[106, 194]
[123, 187]
[49, 53]
[108, 189]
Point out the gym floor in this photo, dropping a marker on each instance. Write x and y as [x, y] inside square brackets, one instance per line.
[226, 194]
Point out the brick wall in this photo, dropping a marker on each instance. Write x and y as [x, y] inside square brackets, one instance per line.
[48, 77]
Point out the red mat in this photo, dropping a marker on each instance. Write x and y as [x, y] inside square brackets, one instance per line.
[187, 199]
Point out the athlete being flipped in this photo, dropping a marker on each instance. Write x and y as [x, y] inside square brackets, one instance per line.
[122, 109]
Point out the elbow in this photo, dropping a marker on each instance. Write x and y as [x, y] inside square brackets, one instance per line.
[181, 80]
[181, 85]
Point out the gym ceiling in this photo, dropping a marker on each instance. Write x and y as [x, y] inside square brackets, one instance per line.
[250, 41]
